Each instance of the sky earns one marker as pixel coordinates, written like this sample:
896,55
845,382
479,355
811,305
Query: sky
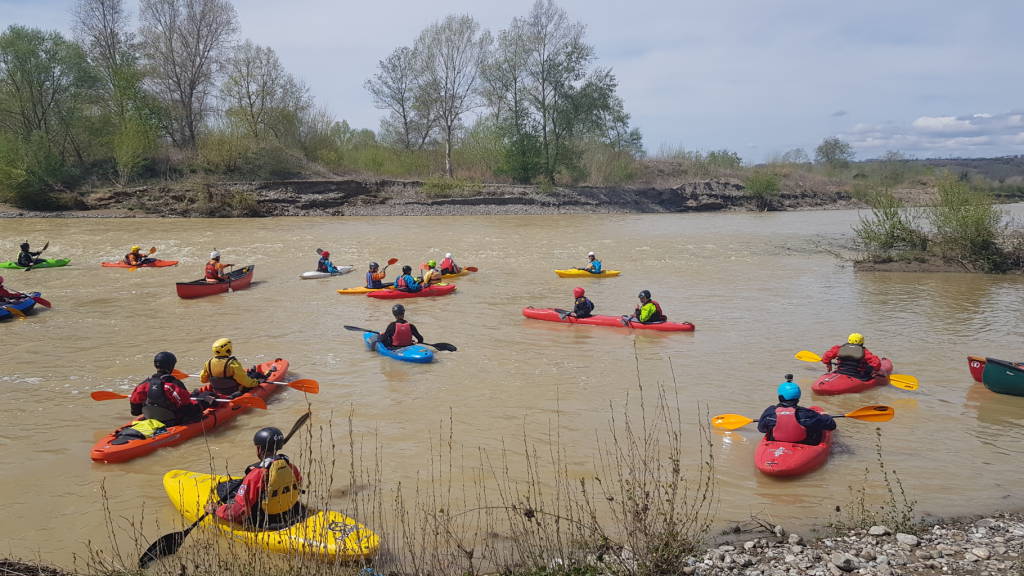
929,78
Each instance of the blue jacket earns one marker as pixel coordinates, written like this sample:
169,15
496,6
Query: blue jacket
814,422
411,285
325,265
594,267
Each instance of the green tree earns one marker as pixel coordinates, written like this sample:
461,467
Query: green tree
834,153
763,187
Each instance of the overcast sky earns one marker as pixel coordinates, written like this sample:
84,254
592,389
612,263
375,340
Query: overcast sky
926,77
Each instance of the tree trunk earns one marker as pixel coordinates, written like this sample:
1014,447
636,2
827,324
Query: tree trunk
448,155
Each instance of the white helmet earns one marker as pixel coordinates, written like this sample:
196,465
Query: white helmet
448,255
214,255
590,253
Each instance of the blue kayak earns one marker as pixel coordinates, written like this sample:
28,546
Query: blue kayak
24,305
415,353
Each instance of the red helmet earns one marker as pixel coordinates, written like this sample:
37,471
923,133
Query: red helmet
578,292
325,254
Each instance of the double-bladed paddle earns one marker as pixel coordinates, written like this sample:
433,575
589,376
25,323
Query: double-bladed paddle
168,544
152,250
874,413
902,381
307,385
244,400
443,346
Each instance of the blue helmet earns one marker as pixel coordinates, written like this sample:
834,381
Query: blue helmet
789,390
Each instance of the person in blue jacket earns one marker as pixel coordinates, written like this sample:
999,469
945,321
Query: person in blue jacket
406,283
593,265
787,422
325,264
375,276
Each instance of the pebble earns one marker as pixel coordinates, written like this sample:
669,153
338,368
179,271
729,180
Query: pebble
796,539
982,553
907,539
844,561
878,531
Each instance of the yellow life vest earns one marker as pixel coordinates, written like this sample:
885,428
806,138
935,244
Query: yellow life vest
149,427
280,489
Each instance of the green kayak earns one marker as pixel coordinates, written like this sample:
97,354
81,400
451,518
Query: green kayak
1003,377
47,263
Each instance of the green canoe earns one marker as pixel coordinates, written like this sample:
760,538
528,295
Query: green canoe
1003,377
47,263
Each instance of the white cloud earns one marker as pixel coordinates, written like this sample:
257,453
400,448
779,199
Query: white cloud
943,125
975,135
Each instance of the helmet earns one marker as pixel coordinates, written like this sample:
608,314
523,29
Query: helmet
578,292
164,361
136,248
645,294
269,438
448,255
407,269
222,347
590,254
24,245
398,310
789,390
374,265
432,263
856,338
325,254
214,255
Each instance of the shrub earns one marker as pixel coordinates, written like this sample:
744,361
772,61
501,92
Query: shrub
441,187
889,229
968,226
763,187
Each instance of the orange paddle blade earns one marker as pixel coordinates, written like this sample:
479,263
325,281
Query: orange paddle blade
250,402
101,395
14,311
904,381
472,268
392,261
876,413
730,421
179,374
807,356
306,385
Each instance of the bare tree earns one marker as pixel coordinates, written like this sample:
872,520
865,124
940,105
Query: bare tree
101,27
183,42
398,88
260,93
505,76
451,53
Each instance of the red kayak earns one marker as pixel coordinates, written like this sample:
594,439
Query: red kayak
110,448
237,280
435,290
153,264
555,315
977,366
834,383
790,458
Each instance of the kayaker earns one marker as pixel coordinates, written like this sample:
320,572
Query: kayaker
432,275
375,278
787,422
325,264
165,398
853,358
225,374
268,495
214,271
649,311
135,257
28,258
405,282
593,265
448,265
582,307
400,332
7,295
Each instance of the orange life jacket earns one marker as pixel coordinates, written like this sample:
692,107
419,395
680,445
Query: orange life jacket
212,271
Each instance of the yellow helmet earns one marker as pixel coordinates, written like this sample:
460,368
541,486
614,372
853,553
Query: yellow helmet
136,248
222,347
856,338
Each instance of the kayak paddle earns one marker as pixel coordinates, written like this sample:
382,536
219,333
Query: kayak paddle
902,381
41,250
14,311
443,346
390,262
307,385
874,413
152,250
244,400
41,301
168,544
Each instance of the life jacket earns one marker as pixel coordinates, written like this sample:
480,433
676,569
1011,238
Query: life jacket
595,267
280,486
851,359
25,258
128,258
787,427
222,384
149,427
583,306
211,272
402,283
448,266
157,406
403,335
371,282
658,316
429,275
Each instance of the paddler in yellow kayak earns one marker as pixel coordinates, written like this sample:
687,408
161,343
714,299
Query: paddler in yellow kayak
268,496
225,374
787,422
375,277
593,264
432,275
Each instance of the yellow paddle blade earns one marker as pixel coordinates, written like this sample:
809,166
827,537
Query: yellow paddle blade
807,356
730,421
904,381
14,311
876,413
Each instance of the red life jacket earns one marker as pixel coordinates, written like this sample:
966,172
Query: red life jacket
659,316
401,283
403,335
211,271
447,266
787,427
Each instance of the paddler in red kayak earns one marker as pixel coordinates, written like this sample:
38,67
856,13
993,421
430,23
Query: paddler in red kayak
225,374
214,271
165,398
787,422
6,295
582,306
135,257
401,332
853,358
405,282
268,495
649,311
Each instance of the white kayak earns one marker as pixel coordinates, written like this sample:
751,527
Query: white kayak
314,275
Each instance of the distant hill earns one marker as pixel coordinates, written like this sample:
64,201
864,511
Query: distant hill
1006,169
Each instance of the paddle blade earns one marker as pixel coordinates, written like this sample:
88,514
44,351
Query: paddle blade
45,246
472,268
101,395
319,251
392,261
904,381
167,544
445,347
424,266
179,374
295,427
250,402
876,413
807,356
14,311
307,385
358,329
730,421
42,301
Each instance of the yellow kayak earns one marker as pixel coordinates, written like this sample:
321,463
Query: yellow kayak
323,534
361,290
573,273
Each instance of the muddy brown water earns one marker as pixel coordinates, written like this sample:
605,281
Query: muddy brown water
756,285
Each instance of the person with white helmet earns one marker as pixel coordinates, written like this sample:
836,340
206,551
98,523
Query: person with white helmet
853,358
225,374
593,264
214,271
448,265
787,422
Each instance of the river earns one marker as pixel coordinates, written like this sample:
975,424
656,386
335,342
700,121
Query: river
757,286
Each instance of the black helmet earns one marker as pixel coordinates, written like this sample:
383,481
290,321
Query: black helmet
374,265
645,294
24,245
269,438
165,361
406,269
398,310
